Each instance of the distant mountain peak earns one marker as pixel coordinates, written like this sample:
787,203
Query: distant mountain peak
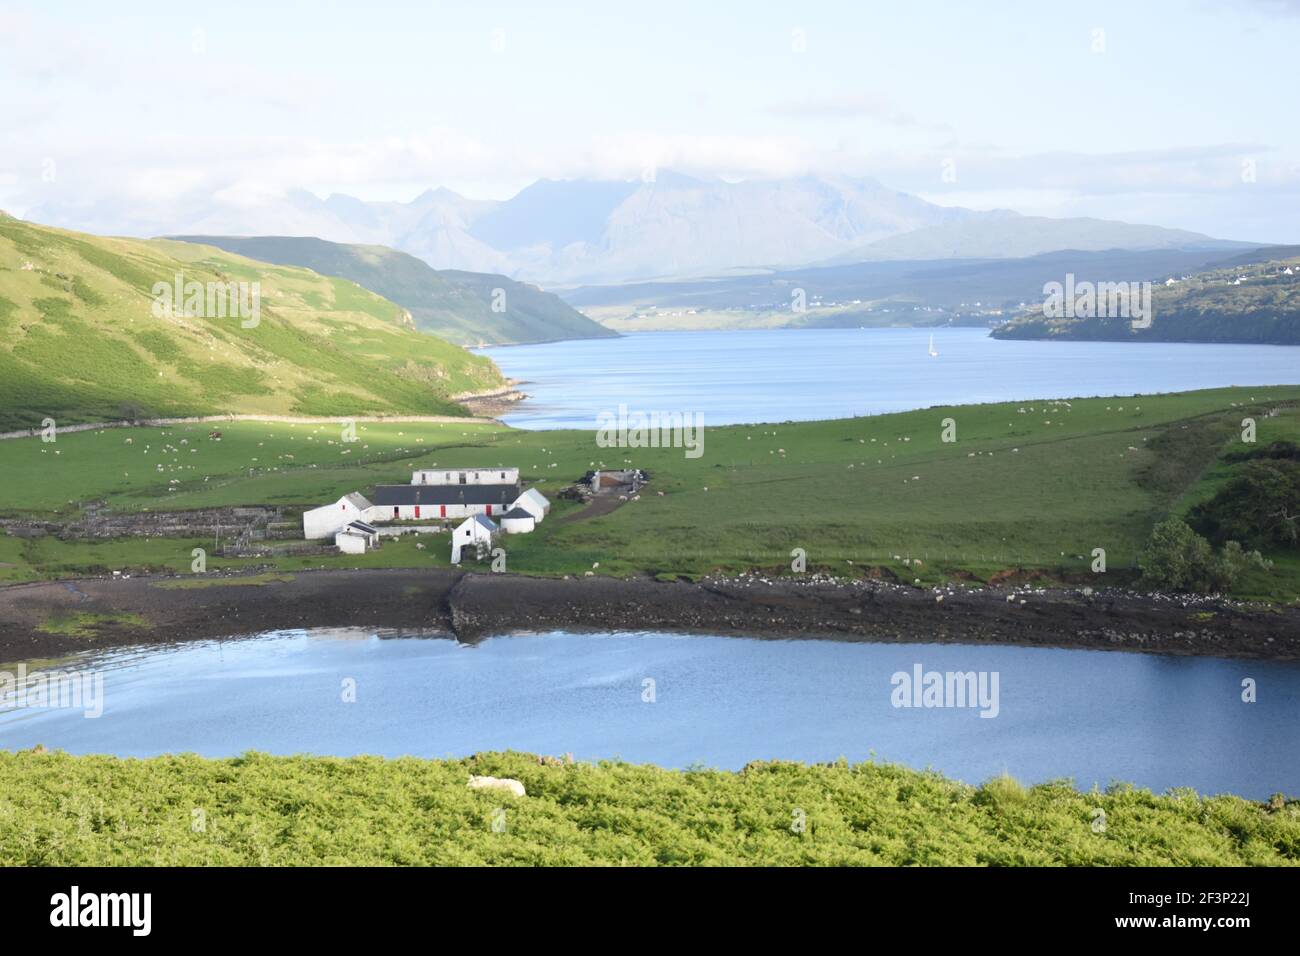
584,231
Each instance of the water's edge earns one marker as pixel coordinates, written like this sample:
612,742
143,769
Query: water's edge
472,606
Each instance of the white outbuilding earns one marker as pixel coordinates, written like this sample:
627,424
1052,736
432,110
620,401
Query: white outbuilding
466,476
518,521
534,502
476,531
357,538
328,520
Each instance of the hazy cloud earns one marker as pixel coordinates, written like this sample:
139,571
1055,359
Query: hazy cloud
852,106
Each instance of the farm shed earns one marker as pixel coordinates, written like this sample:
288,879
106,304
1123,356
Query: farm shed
534,502
518,521
328,520
474,532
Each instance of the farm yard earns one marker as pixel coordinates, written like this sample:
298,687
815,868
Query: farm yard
1025,488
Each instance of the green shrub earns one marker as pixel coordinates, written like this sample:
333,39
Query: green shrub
1176,558
1260,506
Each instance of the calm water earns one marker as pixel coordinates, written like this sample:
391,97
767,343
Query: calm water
784,375
1094,716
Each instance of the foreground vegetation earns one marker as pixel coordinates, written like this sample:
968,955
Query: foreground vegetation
1030,489
57,809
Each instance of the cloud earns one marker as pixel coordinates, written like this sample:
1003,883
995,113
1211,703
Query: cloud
167,181
852,106
1290,8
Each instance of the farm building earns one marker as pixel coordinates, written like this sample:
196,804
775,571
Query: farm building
467,476
415,502
357,538
431,496
623,481
534,502
329,520
474,532
518,521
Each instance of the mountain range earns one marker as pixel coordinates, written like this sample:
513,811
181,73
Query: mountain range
569,232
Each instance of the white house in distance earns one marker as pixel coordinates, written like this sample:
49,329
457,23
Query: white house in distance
433,502
476,532
518,521
329,520
467,476
534,502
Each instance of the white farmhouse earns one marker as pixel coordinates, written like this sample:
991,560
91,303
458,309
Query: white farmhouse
467,476
534,502
423,502
328,520
357,538
476,532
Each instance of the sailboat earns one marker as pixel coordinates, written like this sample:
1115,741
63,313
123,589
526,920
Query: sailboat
933,353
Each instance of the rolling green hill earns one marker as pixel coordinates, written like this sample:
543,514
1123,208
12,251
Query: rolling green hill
457,306
1245,302
80,340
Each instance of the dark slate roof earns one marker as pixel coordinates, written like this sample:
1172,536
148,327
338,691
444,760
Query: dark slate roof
362,526
517,513
389,495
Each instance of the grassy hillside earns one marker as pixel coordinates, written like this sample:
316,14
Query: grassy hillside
1034,485
1250,302
457,306
79,340
282,811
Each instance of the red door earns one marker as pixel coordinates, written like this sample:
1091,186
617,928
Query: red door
489,507
417,511
442,509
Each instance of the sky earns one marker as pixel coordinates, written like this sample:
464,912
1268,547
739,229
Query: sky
1181,114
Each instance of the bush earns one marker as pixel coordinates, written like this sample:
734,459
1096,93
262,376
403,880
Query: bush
1176,558
1260,506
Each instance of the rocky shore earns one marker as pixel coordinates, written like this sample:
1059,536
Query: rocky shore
51,618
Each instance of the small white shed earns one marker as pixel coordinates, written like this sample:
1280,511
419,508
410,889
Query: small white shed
534,502
473,532
357,538
518,521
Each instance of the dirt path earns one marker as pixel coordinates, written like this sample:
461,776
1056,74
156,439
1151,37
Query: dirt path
606,504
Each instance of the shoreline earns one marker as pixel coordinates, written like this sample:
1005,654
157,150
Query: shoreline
107,612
